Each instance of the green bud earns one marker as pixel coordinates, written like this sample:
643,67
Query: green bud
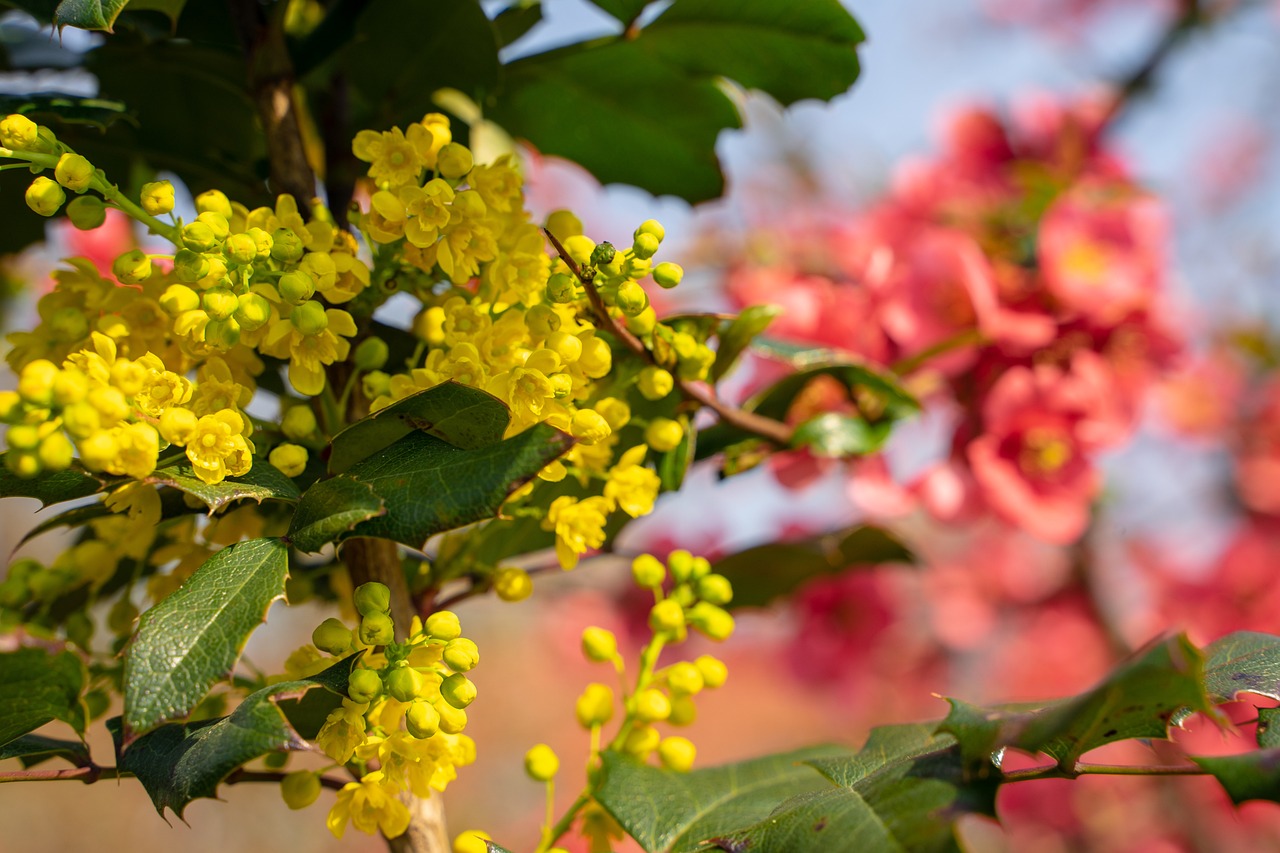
603,254
422,720
404,683
371,354
668,275
296,287
199,237
79,628
645,246
178,298
631,298
219,303
299,422
286,246
45,196
309,318
461,654
132,267
240,248
74,172
190,266
222,334
252,311
372,597
86,212
562,288
364,685
332,636
262,242
13,592
375,384
300,789
458,690
542,320
654,383
121,616
444,625
376,629
217,223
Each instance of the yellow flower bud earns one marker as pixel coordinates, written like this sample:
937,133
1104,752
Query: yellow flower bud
290,459
252,311
219,303
18,133
631,298
332,636
643,323
512,583
714,672
454,161
676,753
683,710
595,706
685,678
74,172
471,841
452,720
599,644
563,224
428,325
648,571
240,248
666,616
712,621
11,405
422,719
651,706
565,345
541,763
371,354
641,741
458,690
461,654
654,383
562,288
668,275
45,196
300,789
222,334
653,228
363,685
589,427
597,359
217,222
715,589
35,383
376,629
404,683
198,237
663,434
299,422
214,201
23,463
178,425
156,197
189,266
444,625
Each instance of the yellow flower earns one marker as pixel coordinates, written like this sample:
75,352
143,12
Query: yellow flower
217,449
418,765
371,804
309,354
498,184
632,487
342,731
394,156
464,246
387,216
578,524
428,210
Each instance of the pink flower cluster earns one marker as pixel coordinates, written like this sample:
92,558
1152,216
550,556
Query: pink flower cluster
1018,279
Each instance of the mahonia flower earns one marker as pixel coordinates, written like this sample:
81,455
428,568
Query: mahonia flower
394,156
421,766
631,486
371,804
308,354
343,731
578,524
217,448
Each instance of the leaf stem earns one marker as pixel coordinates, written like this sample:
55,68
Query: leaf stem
565,821
1081,768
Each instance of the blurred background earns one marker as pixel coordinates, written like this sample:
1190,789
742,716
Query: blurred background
960,102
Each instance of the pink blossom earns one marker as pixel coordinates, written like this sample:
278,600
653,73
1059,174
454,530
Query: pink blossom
1257,460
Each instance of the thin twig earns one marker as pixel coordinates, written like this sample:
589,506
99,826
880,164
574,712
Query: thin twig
1082,769
1189,17
91,773
770,430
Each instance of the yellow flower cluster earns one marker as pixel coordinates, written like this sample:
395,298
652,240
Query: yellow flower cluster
419,684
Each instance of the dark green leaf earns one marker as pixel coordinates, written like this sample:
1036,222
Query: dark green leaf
89,14
404,50
49,488
1243,662
264,481
330,510
737,335
429,486
839,436
791,50
192,639
625,11
43,108
884,389
178,763
678,811
816,822
1267,733
765,572
37,687
171,506
34,749
465,417
1248,776
516,20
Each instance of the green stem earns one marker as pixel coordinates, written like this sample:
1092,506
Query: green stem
566,821
1082,769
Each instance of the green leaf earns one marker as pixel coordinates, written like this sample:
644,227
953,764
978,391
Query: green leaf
89,14
1243,662
491,847
1141,698
49,488
839,436
664,810
835,818
178,763
625,11
737,335
330,510
1267,733
264,481
429,486
516,20
674,464
192,639
35,749
402,51
171,506
37,687
794,50
465,417
1248,776
882,386
96,113
763,573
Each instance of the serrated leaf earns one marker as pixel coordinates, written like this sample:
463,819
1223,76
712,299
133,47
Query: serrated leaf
192,639
330,510
840,436
49,488
1141,698
763,573
264,481
37,687
1248,776
178,763
1243,662
35,749
465,417
89,14
663,810
429,486
517,19
737,334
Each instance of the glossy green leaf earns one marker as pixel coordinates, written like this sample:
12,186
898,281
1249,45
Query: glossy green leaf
737,334
178,763
429,486
1141,698
35,749
625,11
664,810
264,481
89,14
49,488
763,573
37,687
465,417
491,847
192,639
882,387
1243,662
834,818
330,510
517,19
840,436
172,505
402,51
92,112
1248,776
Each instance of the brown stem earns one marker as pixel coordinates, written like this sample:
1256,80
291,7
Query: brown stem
91,773
1190,16
1083,769
271,83
775,432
